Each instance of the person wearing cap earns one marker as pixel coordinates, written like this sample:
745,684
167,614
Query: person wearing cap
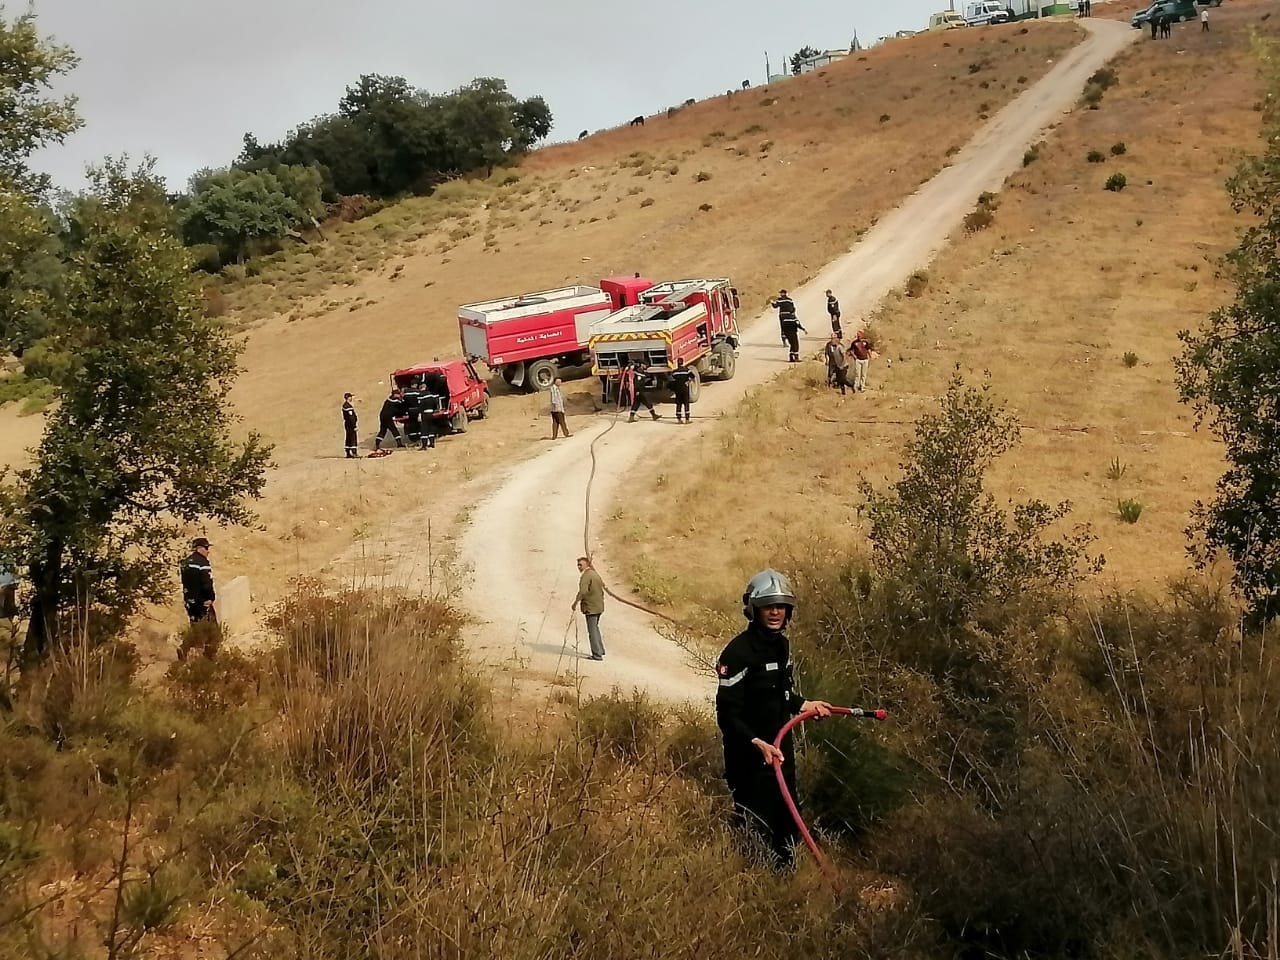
755,697
349,421
197,583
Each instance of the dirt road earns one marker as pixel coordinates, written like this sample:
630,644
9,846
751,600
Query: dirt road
522,540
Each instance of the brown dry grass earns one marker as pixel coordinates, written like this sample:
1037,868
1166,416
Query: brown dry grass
797,172
1048,300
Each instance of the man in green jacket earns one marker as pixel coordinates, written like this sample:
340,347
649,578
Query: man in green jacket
591,599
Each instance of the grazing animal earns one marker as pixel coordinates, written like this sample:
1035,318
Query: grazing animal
638,122
690,102
746,84
582,135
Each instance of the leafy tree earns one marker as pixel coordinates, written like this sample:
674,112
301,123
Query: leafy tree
938,531
533,122
804,53
1229,372
236,209
140,444
29,119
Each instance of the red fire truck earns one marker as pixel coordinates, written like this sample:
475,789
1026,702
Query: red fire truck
691,320
529,337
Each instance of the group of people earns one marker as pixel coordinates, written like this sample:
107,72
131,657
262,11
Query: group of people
838,357
401,406
755,696
1162,26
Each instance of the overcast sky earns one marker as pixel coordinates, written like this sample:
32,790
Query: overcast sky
185,79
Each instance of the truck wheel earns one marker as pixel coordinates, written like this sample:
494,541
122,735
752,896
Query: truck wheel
482,411
459,422
726,360
540,375
513,374
695,386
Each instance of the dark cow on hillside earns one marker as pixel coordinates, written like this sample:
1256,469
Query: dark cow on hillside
638,122
582,135
746,84
690,102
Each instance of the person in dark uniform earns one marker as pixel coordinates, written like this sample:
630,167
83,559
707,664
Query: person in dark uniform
349,421
392,407
833,311
412,396
756,696
197,583
631,387
786,308
681,383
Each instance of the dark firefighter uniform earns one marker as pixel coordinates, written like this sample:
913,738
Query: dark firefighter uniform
197,585
412,397
756,696
833,311
681,379
392,407
788,325
349,421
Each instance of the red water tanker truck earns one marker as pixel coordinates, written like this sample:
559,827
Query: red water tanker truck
528,338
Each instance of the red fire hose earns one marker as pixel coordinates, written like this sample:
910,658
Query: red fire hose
857,713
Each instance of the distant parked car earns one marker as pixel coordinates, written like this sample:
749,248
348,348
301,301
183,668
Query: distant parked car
947,20
451,393
985,12
1176,9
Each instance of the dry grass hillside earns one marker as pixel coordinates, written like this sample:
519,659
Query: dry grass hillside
1048,300
764,186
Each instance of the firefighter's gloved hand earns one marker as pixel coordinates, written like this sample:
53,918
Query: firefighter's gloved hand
772,755
821,707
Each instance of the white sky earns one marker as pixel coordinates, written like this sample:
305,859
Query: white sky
185,79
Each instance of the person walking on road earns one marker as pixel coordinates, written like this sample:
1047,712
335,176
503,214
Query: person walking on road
861,350
558,422
833,311
1155,25
1204,20
349,421
392,408
198,595
786,308
590,599
838,365
755,697
682,386
631,388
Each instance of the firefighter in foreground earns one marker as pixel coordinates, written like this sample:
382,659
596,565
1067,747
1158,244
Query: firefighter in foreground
755,697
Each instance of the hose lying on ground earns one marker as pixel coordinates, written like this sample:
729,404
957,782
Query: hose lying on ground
856,713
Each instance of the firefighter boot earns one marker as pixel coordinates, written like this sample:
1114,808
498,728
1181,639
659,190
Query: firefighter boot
632,418
655,414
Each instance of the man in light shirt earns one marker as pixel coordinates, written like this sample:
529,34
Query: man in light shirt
557,411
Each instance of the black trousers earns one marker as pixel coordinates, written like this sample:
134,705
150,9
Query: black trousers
682,406
835,325
385,427
352,443
640,399
197,611
793,343
758,807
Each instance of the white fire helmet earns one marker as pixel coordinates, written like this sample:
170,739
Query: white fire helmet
768,588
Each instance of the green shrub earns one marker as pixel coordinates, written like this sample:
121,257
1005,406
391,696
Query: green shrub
1096,156
1117,469
1130,359
626,727
885,118
1093,96
917,283
1116,182
1129,510
1031,155
978,219
705,207
1118,149
1104,78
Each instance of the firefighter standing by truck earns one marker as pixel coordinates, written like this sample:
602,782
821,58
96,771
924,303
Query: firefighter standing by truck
681,384
755,697
631,388
349,420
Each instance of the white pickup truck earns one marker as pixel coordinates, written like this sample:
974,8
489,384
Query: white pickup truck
984,12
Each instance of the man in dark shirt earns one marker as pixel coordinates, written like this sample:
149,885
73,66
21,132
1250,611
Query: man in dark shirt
198,594
756,696
392,407
682,379
349,421
786,308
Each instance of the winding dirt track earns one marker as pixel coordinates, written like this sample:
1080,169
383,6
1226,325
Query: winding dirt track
522,540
